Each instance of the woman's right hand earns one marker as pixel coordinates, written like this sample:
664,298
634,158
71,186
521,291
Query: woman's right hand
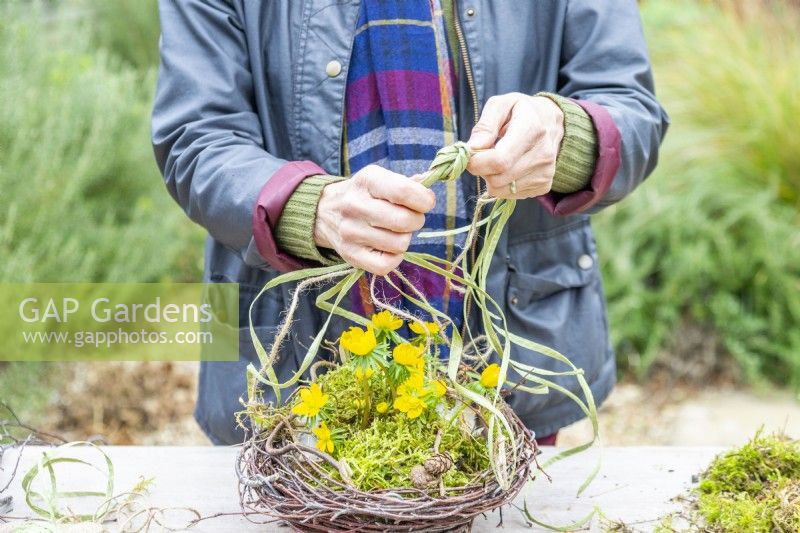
369,218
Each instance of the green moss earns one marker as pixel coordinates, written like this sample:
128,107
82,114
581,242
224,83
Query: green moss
382,455
749,469
344,390
738,512
382,449
265,417
787,512
755,488
382,452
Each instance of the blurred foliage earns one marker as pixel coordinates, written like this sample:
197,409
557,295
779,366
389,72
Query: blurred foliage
712,237
732,69
129,29
83,197
29,388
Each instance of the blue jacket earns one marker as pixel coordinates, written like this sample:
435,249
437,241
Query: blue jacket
246,86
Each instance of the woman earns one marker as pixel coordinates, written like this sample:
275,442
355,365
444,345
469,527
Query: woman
290,129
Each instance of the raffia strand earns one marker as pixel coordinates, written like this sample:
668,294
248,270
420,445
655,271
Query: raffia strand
450,162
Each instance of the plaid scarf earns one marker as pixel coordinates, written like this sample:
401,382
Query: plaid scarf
400,109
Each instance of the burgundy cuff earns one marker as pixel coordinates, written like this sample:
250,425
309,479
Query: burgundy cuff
271,200
609,143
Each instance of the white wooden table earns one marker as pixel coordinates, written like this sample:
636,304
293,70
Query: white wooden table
635,484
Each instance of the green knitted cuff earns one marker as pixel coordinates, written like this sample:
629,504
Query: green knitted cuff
578,153
294,233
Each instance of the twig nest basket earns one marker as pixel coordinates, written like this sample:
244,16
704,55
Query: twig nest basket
407,430
285,481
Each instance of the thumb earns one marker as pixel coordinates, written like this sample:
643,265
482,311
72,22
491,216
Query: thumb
482,138
495,115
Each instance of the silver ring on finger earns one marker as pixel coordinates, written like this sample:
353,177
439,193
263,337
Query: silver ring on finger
513,186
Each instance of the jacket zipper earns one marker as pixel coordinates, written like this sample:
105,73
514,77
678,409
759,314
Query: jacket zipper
462,46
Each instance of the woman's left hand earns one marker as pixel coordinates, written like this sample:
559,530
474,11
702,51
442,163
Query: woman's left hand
522,162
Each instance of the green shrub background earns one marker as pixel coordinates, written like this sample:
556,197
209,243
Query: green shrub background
83,200
710,239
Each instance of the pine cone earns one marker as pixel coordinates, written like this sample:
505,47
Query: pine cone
420,477
438,464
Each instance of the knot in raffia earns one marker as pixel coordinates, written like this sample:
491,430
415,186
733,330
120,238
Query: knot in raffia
449,163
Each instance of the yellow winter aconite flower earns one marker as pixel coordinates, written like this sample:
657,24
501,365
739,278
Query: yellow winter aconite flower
364,374
410,405
382,407
426,328
386,321
439,388
413,385
359,342
312,400
490,376
410,394
324,440
408,355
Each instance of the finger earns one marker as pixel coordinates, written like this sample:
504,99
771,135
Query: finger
503,192
388,241
535,169
539,160
535,180
489,163
386,215
494,116
376,238
530,189
497,168
514,171
398,189
522,133
373,261
520,137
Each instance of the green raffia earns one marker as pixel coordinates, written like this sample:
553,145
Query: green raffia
85,460
449,163
48,502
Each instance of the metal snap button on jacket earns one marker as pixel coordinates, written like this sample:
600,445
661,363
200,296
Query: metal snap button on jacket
585,262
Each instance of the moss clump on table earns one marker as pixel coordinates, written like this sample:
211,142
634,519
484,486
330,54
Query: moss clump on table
755,488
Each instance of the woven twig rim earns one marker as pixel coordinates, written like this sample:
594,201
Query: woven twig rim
279,486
